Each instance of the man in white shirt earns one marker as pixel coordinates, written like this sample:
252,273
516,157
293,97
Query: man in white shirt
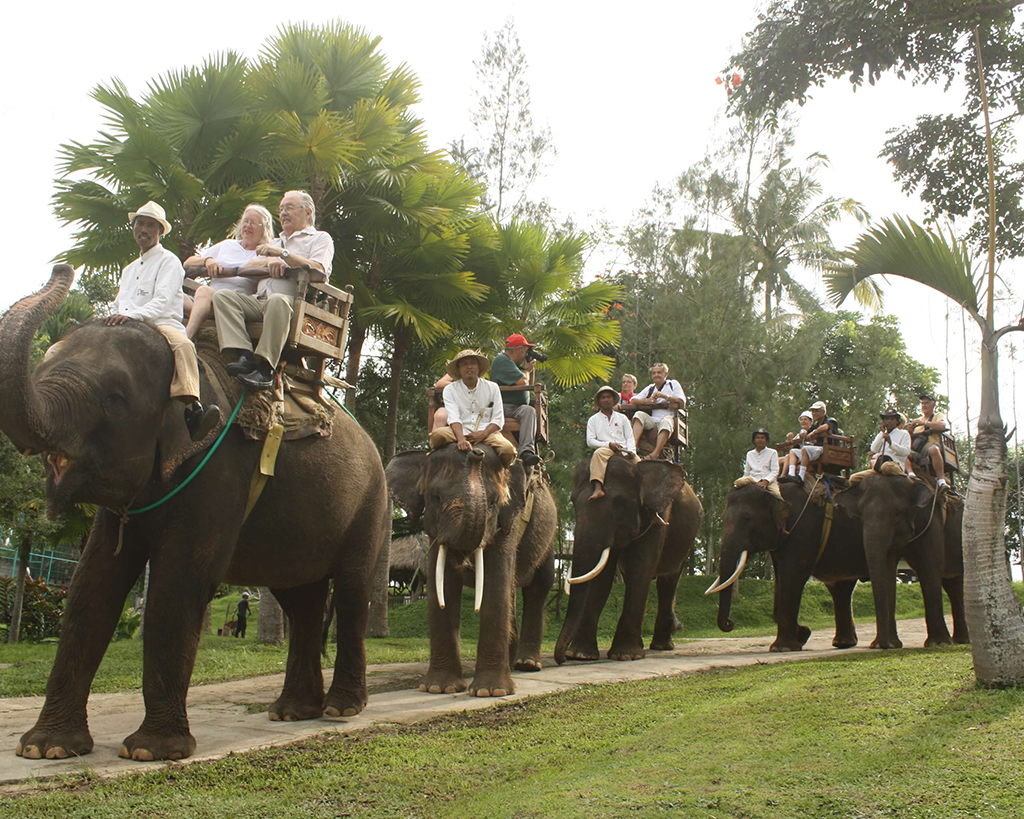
762,463
659,403
150,289
608,434
475,414
892,443
300,244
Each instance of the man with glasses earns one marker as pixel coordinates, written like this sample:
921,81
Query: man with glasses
300,243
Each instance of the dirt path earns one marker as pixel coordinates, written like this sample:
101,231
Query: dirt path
230,717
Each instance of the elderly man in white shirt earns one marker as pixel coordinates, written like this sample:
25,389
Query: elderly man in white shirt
475,414
299,244
608,434
659,403
762,464
892,443
150,290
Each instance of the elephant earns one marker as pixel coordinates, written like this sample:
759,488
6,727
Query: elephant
645,525
790,528
473,510
98,411
903,519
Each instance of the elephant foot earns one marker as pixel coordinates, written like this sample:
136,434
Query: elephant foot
961,641
786,645
40,743
492,684
288,709
583,652
895,642
624,654
528,664
844,642
442,682
344,703
803,634
662,645
938,641
146,747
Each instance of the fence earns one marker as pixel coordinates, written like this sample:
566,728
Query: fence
52,565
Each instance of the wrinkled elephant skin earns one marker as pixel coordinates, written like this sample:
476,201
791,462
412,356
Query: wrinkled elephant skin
98,408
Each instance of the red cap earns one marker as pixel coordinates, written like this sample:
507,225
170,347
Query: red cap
517,340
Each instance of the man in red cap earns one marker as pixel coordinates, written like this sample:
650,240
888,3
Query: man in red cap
511,369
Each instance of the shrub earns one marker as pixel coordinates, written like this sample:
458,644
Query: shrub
41,611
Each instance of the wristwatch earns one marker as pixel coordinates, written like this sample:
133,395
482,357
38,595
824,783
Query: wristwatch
285,254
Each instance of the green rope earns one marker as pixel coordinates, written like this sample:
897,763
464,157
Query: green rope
336,401
195,471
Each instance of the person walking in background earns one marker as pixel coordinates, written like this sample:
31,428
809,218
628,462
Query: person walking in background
243,615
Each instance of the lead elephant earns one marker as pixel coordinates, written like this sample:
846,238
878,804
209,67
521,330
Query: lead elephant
474,511
98,410
904,519
790,528
645,525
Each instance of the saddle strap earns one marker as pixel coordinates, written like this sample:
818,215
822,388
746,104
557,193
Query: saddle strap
826,530
265,467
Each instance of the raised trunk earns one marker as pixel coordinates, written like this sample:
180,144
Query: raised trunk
22,415
24,552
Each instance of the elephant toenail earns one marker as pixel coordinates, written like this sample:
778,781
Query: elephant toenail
56,752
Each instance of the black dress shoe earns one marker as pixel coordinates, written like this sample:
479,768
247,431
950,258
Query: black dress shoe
530,458
791,479
256,380
246,363
201,422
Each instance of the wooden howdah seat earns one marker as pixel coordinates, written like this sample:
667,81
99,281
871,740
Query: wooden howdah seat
539,401
837,454
319,331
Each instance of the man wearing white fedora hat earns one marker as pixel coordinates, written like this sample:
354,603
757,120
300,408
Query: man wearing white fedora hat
608,433
150,290
475,414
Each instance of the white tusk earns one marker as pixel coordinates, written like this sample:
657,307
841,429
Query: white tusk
478,561
583,578
568,588
442,553
713,587
735,575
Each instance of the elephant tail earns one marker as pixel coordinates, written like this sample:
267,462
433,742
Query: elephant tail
327,621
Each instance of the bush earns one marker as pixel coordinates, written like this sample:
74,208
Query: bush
41,611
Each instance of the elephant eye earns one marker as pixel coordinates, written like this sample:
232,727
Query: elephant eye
116,404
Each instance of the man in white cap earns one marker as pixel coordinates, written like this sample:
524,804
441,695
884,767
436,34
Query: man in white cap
475,414
608,434
822,427
299,244
150,290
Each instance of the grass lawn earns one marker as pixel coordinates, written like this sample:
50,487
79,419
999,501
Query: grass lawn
226,658
894,734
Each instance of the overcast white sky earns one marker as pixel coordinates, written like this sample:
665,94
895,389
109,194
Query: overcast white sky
627,89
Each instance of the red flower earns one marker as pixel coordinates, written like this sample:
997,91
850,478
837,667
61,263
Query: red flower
735,80
718,80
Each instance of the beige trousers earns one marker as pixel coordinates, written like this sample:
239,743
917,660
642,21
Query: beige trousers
599,462
232,310
773,487
185,382
506,452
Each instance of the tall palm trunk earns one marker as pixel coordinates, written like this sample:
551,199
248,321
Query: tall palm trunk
356,338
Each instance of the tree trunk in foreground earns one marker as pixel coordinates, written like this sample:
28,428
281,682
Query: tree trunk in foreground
994,615
377,624
24,552
270,626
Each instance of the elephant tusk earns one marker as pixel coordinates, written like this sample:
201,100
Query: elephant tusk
583,578
478,597
442,553
713,587
735,575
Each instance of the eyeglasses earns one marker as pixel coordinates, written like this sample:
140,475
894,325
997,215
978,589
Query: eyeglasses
289,208
252,224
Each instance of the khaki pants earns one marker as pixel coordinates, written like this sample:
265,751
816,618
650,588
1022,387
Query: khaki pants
506,452
185,382
599,461
232,310
773,487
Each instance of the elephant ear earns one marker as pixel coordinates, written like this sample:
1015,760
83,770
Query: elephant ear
176,446
922,495
660,484
404,476
780,513
848,500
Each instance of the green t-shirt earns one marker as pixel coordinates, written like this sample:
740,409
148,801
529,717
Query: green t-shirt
505,373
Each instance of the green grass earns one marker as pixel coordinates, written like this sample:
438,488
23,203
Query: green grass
900,734
225,658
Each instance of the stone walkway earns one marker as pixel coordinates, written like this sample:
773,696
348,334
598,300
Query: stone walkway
230,717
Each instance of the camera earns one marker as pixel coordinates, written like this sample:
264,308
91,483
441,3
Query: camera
533,354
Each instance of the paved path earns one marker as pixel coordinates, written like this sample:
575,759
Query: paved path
230,717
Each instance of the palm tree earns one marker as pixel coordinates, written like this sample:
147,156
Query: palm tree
899,247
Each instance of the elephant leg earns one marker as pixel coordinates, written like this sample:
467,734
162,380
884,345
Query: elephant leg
444,674
628,642
931,591
98,590
954,587
493,675
303,694
883,585
531,635
790,579
664,623
583,645
842,605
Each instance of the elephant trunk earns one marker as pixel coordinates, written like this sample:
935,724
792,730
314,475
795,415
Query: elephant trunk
22,413
463,523
724,590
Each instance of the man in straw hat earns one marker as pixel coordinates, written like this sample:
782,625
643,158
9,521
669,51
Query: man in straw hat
150,289
761,465
608,434
892,443
474,409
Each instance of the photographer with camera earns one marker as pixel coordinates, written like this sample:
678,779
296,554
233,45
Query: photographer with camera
511,369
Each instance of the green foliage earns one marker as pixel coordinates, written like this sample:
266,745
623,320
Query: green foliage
41,611
128,624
